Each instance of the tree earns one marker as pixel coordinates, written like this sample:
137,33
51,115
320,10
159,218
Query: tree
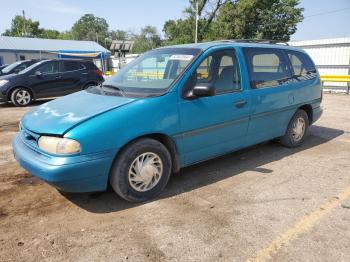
183,30
232,19
23,27
29,28
50,34
119,35
261,19
146,40
90,27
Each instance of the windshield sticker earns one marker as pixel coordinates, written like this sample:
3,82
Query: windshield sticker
181,57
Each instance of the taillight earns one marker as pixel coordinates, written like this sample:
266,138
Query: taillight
99,73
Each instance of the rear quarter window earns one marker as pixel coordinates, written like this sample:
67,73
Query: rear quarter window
302,65
268,67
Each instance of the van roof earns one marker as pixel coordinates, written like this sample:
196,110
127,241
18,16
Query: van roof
240,43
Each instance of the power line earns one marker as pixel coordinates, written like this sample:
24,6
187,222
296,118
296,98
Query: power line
329,12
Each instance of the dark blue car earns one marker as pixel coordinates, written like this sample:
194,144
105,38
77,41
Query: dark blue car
170,108
48,78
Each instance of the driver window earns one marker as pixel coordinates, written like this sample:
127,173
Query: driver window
204,69
221,70
48,68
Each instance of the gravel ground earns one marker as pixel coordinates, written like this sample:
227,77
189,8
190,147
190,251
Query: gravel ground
262,203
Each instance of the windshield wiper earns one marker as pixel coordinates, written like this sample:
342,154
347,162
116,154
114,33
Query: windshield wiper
120,90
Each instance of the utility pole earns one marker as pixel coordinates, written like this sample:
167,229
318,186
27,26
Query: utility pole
197,17
24,33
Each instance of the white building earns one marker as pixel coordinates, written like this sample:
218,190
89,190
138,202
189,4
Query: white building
13,49
331,56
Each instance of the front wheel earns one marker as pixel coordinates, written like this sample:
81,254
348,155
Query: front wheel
21,97
297,129
141,171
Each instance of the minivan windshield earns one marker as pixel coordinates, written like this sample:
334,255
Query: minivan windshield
153,72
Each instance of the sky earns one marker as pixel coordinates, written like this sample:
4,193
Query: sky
323,18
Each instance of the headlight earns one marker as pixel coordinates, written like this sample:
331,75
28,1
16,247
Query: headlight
58,145
3,82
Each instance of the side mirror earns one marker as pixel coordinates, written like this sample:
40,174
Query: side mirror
203,90
38,74
16,71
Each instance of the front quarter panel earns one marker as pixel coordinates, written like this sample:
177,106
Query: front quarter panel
114,129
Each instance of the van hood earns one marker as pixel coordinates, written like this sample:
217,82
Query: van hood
60,115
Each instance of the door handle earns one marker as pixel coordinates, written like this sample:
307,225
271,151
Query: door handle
84,73
240,103
57,77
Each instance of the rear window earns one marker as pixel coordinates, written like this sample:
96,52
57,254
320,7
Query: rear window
90,65
267,67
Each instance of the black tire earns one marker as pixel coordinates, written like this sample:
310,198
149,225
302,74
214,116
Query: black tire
119,174
290,139
88,85
21,97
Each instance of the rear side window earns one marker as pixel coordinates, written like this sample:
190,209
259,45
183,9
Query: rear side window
70,66
301,64
267,67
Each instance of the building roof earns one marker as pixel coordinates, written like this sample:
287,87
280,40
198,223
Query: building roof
341,41
40,44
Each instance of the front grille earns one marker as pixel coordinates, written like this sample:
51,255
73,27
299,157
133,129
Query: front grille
29,138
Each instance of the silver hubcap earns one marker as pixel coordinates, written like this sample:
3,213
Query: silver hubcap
298,129
145,172
22,97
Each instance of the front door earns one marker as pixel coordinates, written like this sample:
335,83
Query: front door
47,82
215,125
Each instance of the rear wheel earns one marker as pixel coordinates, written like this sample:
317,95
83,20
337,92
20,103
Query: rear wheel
141,171
21,97
87,86
297,129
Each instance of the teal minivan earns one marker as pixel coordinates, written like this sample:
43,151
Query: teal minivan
172,107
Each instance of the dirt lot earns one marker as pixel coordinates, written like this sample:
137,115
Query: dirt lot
263,203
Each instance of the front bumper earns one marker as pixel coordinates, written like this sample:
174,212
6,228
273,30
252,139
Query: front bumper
82,173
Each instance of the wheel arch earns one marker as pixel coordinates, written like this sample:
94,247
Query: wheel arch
90,82
9,92
167,141
308,109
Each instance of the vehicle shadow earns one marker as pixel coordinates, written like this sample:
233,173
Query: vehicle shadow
209,172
